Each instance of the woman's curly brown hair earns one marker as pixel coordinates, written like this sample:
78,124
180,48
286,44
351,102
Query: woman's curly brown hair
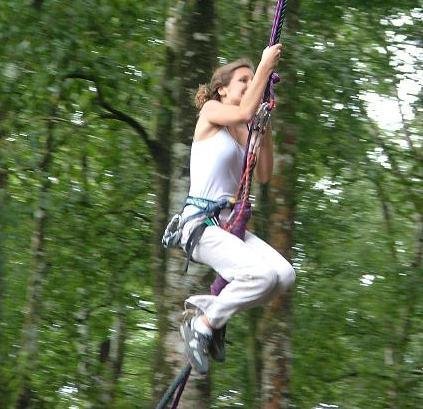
221,78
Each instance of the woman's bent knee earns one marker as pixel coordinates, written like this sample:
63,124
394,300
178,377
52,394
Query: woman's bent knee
286,276
268,281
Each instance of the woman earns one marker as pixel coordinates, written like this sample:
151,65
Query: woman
254,270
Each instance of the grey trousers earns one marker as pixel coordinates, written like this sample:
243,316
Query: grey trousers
255,272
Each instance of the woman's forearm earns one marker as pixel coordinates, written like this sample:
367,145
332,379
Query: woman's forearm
254,94
264,166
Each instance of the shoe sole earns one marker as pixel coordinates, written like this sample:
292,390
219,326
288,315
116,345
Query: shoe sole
201,370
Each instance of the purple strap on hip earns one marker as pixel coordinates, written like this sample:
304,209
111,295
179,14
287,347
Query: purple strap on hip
242,214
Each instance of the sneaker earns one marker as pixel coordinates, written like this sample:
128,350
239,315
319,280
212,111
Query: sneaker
196,345
217,346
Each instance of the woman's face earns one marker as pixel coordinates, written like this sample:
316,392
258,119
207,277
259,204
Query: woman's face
234,91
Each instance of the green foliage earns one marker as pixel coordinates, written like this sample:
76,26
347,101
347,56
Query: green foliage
100,204
358,212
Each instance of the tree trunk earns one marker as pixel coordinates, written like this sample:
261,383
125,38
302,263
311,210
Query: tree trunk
3,223
32,311
399,316
3,196
401,335
112,354
276,347
164,135
193,42
112,349
82,349
85,376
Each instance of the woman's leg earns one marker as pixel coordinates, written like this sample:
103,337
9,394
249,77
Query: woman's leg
286,273
252,268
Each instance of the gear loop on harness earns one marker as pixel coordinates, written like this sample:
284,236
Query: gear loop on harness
207,215
173,231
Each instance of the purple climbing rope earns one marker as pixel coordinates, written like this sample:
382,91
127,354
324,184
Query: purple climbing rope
242,210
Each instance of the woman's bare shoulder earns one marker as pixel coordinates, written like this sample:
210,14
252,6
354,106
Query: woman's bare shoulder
204,128
211,104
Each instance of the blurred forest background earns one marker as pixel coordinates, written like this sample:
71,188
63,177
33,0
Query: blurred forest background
96,122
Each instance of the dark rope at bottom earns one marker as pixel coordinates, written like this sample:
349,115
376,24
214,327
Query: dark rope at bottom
179,381
181,387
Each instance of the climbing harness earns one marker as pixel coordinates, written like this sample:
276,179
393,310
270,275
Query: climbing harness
240,206
206,215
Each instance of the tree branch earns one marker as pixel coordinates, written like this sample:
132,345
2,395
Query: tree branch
113,113
142,328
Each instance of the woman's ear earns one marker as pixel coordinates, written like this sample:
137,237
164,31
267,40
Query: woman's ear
221,91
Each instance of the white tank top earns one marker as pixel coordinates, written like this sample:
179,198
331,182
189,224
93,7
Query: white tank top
215,167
